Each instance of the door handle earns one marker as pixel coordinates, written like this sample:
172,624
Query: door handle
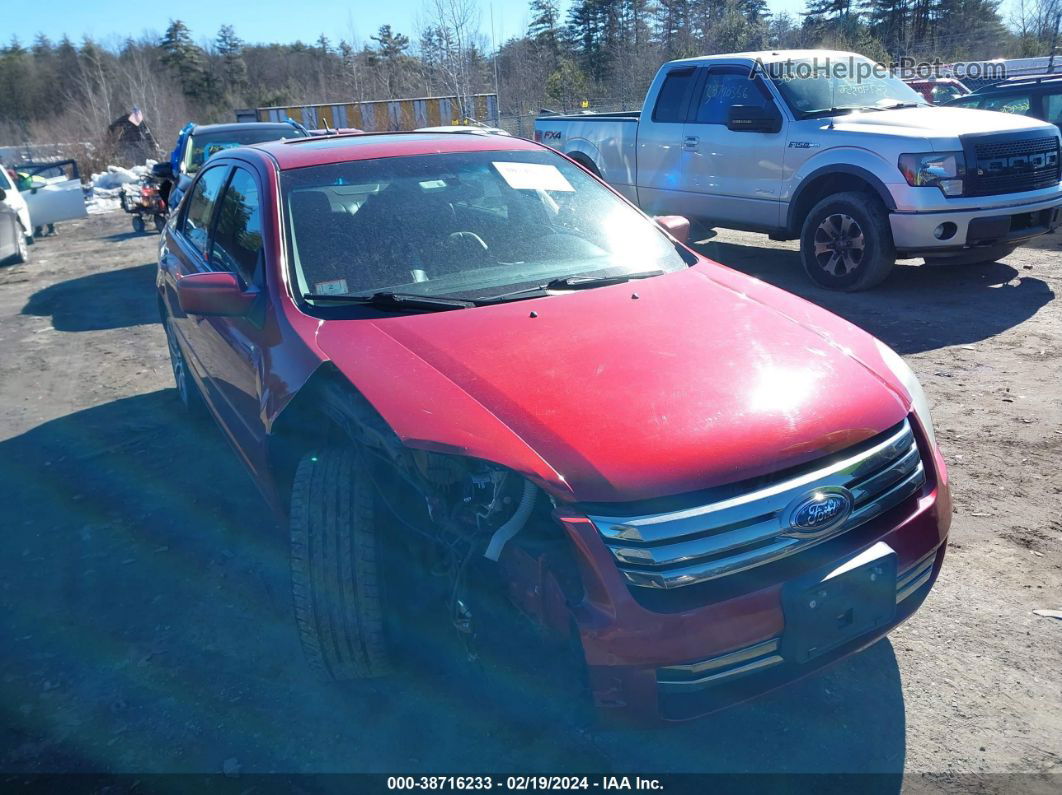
690,142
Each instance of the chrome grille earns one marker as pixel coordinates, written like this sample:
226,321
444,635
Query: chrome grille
679,548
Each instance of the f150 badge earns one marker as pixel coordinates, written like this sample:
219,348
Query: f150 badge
803,145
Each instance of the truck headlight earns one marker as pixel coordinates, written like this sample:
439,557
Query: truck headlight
944,170
906,376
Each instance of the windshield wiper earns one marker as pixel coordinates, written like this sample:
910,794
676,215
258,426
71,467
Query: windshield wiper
568,283
391,300
582,282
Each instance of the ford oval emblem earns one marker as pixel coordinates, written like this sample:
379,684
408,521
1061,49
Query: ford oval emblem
819,511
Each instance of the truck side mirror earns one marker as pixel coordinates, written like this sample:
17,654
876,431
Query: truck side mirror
754,118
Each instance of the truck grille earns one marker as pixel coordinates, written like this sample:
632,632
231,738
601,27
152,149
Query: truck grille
1011,165
694,545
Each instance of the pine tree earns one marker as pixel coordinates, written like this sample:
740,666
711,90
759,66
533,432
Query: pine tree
230,48
185,59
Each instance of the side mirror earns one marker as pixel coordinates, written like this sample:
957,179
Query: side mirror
162,170
3,194
214,294
677,226
753,118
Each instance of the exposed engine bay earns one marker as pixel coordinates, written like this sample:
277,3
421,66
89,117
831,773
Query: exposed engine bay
459,521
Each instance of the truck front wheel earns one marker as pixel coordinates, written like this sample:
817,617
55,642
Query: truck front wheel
846,243
336,566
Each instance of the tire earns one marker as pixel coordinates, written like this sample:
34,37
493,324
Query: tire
160,222
335,567
846,243
187,389
978,256
138,224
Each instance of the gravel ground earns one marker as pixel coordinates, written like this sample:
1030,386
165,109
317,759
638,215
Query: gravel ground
142,627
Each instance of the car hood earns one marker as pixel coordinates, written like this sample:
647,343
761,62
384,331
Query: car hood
932,122
671,384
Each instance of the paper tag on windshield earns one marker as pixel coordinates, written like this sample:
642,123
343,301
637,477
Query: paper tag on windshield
333,287
533,176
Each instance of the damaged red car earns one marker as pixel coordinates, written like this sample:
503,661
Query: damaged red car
480,385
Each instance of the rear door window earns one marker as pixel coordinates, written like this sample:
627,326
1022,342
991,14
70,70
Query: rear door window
674,96
1053,108
237,241
196,224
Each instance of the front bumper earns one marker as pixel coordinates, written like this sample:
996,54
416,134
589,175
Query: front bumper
915,233
732,638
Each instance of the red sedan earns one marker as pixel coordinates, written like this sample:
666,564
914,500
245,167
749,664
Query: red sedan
488,394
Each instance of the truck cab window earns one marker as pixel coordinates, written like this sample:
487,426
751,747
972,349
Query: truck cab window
674,96
724,89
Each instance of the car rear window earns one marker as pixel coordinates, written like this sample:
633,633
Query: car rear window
209,143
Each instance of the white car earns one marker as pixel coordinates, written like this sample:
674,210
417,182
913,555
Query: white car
16,202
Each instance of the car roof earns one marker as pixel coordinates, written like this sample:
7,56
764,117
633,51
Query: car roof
1052,80
303,152
247,125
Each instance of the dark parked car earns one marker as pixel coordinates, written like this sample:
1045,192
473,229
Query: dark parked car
494,401
197,142
1038,97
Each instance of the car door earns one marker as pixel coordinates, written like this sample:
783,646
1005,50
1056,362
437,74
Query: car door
661,159
59,199
231,346
733,177
186,251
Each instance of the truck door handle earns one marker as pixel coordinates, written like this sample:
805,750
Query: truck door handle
690,142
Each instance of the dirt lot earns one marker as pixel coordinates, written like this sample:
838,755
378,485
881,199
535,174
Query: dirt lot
142,627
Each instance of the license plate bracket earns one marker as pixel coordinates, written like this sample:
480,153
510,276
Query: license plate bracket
827,609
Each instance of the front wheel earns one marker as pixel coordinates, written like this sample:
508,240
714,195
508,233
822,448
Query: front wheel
160,222
138,224
336,566
846,243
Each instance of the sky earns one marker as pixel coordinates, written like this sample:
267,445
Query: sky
261,20
258,21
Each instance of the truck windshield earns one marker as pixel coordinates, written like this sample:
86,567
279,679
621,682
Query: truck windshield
821,87
205,144
470,225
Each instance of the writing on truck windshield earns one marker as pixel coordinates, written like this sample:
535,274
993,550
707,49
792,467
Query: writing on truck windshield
823,86
473,225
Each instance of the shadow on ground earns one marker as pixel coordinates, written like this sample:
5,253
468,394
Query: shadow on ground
145,625
104,300
918,308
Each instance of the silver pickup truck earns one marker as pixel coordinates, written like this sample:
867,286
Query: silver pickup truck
828,148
